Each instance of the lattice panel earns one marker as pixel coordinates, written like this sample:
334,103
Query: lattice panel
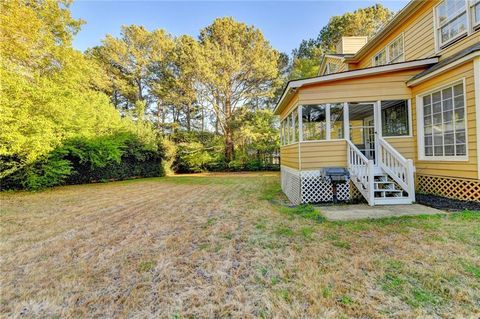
291,184
463,189
315,190
355,193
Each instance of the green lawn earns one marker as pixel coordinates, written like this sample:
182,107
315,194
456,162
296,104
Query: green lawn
223,245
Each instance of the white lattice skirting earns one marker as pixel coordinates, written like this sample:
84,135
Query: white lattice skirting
303,187
291,184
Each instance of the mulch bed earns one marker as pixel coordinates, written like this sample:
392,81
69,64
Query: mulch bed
446,203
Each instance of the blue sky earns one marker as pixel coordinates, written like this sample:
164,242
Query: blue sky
284,23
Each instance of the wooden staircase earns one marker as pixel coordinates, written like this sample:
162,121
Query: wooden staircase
389,183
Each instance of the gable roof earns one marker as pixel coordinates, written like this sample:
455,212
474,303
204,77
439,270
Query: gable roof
293,85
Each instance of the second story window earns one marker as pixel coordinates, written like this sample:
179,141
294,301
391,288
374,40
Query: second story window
331,68
451,16
380,58
395,50
476,14
392,53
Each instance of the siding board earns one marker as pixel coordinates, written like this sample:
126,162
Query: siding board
315,155
289,156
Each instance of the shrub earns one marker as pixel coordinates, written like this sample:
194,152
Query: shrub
197,151
79,160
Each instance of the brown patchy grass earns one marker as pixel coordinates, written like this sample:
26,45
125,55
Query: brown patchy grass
219,245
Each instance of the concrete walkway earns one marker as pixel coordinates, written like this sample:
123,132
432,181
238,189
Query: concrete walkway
363,211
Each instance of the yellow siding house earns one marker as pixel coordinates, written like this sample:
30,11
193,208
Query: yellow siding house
400,111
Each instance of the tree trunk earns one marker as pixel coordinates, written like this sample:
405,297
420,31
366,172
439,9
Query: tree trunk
164,117
229,147
140,89
189,119
174,119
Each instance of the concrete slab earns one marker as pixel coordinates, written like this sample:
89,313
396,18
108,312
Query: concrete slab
363,211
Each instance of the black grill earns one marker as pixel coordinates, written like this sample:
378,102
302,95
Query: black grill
336,176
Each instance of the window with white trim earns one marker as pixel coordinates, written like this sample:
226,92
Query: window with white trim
444,134
380,58
289,128
395,118
451,21
336,121
282,133
475,9
322,122
295,127
314,122
332,68
394,52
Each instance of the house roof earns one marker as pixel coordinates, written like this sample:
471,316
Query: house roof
293,85
459,57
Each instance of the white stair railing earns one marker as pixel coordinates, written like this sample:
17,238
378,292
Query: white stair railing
397,167
361,171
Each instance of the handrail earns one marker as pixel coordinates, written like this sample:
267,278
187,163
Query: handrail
356,150
361,169
397,166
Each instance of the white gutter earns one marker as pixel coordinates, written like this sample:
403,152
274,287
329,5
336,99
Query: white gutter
354,74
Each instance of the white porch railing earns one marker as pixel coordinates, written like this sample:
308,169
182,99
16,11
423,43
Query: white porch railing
361,171
397,167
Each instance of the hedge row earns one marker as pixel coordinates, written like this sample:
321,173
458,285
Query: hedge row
78,161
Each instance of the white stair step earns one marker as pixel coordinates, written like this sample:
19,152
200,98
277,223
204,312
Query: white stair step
387,186
389,190
392,200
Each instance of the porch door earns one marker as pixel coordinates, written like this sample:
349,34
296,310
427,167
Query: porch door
362,128
369,137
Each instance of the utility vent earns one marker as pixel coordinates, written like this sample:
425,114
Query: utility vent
350,45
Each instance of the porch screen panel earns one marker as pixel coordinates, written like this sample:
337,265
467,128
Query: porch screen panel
281,133
295,126
336,121
444,123
289,130
314,120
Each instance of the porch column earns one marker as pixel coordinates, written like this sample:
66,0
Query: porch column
377,115
300,124
346,124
